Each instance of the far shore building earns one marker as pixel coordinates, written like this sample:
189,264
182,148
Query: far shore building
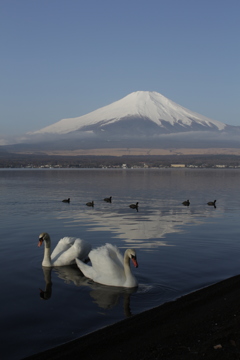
178,165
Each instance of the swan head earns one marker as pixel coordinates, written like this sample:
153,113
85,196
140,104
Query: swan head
44,237
131,253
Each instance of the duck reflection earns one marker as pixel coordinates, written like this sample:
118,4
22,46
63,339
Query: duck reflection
106,297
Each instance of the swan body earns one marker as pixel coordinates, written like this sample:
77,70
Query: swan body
109,267
108,199
186,203
66,251
66,200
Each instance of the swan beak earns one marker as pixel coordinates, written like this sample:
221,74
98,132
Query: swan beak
40,242
134,260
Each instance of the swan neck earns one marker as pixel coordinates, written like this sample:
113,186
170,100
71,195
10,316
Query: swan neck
47,254
126,264
130,278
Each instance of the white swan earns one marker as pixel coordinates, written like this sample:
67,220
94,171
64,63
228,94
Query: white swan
66,251
109,267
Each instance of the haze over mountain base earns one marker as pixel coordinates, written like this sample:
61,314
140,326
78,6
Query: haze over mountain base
137,152
184,143
133,152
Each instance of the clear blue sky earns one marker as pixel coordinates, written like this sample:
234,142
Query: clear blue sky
65,58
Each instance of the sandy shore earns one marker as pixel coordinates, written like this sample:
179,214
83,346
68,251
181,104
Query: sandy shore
202,325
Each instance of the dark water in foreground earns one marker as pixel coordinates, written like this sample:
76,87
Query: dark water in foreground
180,249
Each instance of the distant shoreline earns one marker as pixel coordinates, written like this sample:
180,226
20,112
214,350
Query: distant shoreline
134,152
123,158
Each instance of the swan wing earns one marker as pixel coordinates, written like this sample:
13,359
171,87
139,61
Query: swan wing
87,270
107,266
83,248
79,249
106,260
63,245
115,254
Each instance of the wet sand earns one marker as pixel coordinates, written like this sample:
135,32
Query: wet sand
202,325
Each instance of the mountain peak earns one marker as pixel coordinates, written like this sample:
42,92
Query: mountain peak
161,113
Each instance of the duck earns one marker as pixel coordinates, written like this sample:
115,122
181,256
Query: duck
110,267
90,203
212,203
65,252
66,200
108,199
134,206
186,203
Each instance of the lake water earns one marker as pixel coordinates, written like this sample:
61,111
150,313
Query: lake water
179,248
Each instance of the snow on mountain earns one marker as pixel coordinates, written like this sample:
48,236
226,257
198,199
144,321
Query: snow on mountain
140,109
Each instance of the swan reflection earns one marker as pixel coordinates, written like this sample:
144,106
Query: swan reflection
106,297
47,293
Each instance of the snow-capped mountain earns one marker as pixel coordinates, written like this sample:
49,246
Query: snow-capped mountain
140,120
139,113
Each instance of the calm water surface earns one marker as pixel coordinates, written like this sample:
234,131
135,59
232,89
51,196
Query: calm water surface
180,249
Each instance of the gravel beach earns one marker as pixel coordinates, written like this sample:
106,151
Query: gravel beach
202,325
